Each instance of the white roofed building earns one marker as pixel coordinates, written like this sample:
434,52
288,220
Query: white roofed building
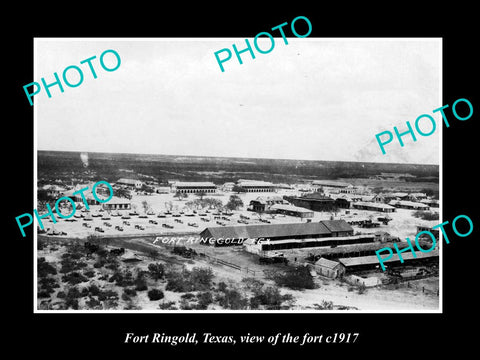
194,187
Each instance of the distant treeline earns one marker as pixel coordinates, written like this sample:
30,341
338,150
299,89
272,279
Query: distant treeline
65,165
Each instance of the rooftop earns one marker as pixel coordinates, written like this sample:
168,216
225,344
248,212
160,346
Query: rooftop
274,230
194,184
267,199
253,183
365,260
315,196
327,263
374,205
127,181
411,203
330,183
290,208
337,225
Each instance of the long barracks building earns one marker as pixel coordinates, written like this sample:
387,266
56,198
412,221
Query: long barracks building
195,187
287,236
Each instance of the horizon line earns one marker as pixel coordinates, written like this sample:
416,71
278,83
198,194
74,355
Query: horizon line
234,157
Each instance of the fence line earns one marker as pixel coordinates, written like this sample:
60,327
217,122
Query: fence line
216,260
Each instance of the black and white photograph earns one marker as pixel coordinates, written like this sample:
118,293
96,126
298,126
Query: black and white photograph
292,179
258,188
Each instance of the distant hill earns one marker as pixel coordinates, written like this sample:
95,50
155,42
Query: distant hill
111,166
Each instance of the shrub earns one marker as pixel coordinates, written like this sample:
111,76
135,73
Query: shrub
232,299
140,285
125,297
99,264
68,265
44,293
73,293
48,282
222,286
270,298
185,305
204,299
92,303
169,305
131,306
61,295
252,284
177,283
108,295
188,296
296,278
110,304
426,215
44,268
155,294
130,292
156,271
324,305
89,273
94,290
102,253
74,278
112,266
71,303
201,278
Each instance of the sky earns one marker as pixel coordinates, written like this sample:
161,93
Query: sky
313,99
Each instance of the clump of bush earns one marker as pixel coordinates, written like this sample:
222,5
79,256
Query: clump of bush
295,278
107,295
188,296
93,303
44,268
426,215
199,279
156,271
204,299
94,290
89,273
155,294
130,292
169,305
269,298
324,305
74,278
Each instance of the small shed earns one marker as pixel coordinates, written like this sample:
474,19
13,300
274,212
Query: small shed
328,268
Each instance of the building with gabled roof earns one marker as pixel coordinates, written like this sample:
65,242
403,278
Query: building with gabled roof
292,210
130,183
329,268
285,236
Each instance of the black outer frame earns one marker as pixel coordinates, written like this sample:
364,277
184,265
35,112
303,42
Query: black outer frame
380,334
